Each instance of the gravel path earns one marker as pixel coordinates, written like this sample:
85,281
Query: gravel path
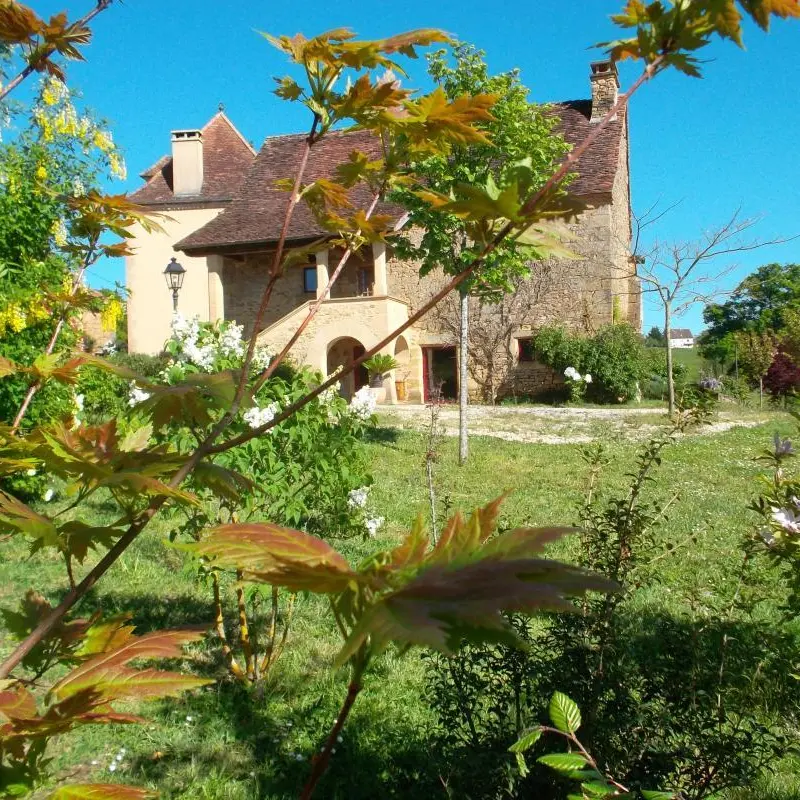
548,425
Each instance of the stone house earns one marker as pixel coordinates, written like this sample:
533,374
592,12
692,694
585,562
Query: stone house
223,217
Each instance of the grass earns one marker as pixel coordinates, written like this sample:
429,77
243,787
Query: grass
223,743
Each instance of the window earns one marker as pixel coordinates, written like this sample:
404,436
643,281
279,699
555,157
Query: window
310,280
525,350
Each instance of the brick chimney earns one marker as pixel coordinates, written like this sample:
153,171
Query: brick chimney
187,163
605,88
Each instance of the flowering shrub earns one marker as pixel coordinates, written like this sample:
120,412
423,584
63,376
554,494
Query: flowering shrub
307,472
614,360
577,383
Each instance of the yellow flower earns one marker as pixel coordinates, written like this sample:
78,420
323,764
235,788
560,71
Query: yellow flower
41,172
111,314
59,231
117,166
103,140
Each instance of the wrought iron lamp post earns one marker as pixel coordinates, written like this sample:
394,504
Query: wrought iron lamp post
174,274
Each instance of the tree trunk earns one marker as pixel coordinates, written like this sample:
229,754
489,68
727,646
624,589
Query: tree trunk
670,377
761,393
463,396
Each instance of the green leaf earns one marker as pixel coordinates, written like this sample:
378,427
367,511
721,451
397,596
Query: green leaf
526,741
101,791
564,713
569,764
137,439
649,794
288,89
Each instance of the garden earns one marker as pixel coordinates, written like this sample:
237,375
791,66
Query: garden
223,579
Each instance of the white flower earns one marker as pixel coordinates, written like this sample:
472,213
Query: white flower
255,417
189,718
30,473
587,377
48,495
79,401
363,403
78,189
137,395
357,498
572,374
202,357
372,524
184,330
230,341
261,358
112,766
788,519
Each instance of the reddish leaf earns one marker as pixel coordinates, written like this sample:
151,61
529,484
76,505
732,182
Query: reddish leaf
107,675
7,367
277,555
522,542
443,606
17,703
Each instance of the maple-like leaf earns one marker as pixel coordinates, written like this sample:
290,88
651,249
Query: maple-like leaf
101,791
17,516
7,367
442,606
277,555
108,676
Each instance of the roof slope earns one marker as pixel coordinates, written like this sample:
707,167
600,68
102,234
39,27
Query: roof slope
680,333
227,157
256,214
597,167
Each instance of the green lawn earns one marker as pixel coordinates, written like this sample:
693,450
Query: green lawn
220,743
691,359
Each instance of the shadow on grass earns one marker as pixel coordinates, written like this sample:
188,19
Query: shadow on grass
266,743
698,705
381,435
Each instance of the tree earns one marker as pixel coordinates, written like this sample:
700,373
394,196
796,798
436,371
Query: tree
655,337
493,324
762,301
678,273
756,350
518,130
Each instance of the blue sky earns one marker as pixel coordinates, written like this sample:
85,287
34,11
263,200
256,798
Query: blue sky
725,142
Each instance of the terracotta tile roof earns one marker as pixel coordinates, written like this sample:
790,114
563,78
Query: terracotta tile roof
598,166
226,159
256,214
680,333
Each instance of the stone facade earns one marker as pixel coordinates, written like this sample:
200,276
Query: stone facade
221,234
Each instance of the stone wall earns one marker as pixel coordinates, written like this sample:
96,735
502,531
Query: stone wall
244,281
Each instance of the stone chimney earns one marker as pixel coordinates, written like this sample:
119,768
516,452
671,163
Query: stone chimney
187,163
605,88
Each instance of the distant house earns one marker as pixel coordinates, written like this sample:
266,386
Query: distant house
681,337
224,216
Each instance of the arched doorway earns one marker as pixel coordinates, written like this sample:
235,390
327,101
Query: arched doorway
341,353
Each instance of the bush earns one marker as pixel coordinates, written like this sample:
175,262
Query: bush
614,357
783,377
105,395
